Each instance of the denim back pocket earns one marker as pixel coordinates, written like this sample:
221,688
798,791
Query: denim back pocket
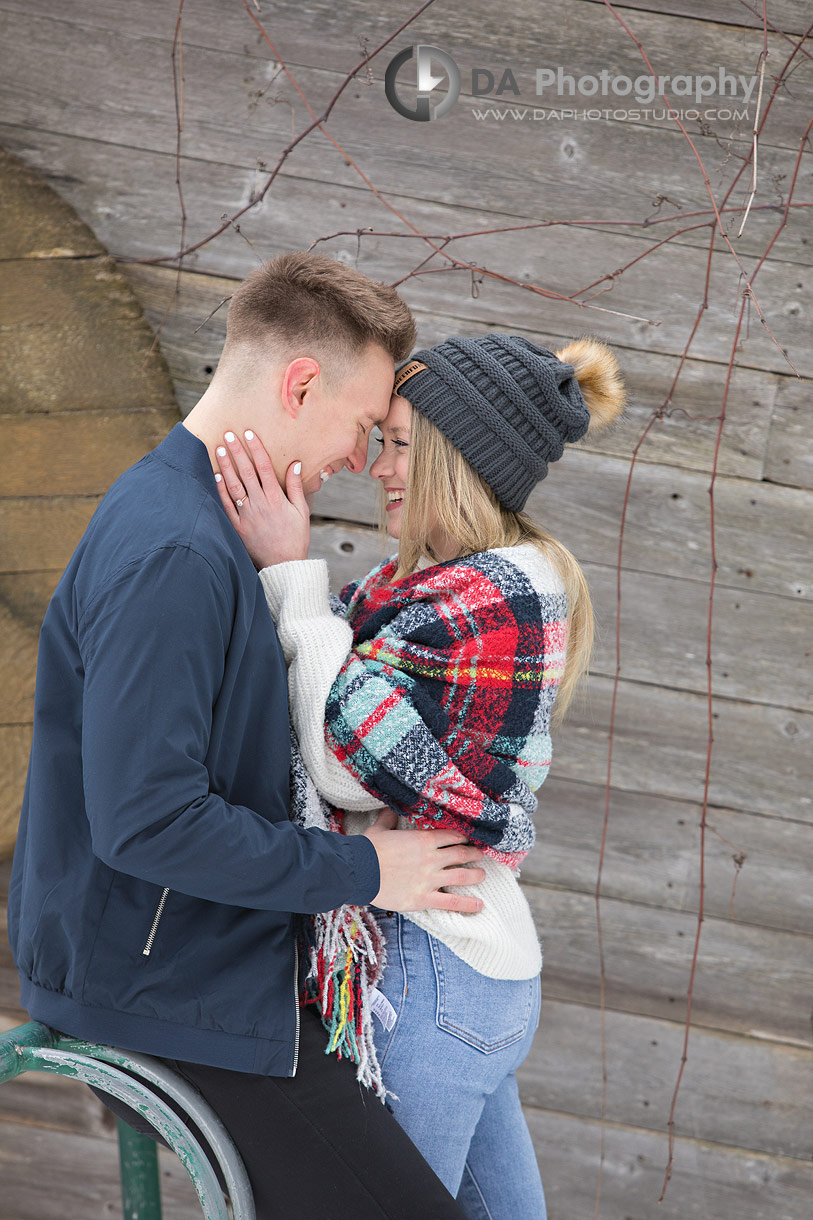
489,1014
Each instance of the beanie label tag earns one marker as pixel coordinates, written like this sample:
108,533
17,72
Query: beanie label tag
409,370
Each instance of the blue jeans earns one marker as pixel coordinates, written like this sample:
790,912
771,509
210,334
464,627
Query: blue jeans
450,1056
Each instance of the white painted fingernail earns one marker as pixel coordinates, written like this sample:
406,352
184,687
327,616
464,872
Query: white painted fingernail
221,452
230,437
218,478
297,468
248,434
324,476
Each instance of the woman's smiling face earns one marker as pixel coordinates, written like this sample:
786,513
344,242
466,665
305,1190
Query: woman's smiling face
392,464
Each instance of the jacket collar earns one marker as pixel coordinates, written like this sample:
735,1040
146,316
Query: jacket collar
185,451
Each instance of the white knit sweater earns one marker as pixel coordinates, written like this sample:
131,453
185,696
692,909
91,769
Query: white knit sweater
500,940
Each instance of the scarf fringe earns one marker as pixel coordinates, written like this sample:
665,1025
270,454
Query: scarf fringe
346,957
344,951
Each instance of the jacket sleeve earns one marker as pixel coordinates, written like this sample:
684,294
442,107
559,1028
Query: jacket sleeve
153,644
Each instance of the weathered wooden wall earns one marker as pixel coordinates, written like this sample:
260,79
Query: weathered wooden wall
87,101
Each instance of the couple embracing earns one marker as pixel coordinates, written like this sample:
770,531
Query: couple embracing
271,835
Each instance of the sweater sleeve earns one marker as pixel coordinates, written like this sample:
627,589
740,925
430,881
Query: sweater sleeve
316,643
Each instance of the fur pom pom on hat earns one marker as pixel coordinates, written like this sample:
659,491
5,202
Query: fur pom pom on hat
511,406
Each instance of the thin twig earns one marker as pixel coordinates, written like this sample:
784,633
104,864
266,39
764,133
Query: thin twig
763,57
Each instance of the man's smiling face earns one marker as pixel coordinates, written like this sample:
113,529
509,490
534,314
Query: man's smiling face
336,420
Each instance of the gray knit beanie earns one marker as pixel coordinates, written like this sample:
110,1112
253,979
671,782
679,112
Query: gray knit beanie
507,404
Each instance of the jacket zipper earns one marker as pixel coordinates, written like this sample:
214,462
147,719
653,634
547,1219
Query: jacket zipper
296,1005
148,947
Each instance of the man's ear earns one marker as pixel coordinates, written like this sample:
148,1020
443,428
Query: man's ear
297,380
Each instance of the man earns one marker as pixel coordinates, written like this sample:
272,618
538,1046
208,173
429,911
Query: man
157,872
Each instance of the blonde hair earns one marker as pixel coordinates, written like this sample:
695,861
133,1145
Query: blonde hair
446,497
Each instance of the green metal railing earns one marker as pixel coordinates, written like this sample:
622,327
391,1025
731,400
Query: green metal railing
35,1047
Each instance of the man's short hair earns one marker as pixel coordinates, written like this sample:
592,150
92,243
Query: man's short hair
302,303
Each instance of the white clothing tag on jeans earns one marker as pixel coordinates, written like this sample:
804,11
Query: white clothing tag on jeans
383,1009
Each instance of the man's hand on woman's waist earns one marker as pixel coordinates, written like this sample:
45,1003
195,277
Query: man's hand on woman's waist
415,866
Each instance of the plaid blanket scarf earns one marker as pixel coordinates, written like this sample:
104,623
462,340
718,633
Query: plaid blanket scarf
441,711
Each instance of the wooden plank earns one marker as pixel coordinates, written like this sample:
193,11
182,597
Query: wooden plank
760,755
652,854
340,30
748,979
789,458
707,1180
787,15
479,38
739,1091
749,518
192,355
649,376
41,533
11,1013
23,602
752,657
57,1175
73,334
139,218
350,551
80,452
667,761
726,1084
15,748
752,981
298,212
655,856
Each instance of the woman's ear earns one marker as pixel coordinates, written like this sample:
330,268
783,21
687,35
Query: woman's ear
297,380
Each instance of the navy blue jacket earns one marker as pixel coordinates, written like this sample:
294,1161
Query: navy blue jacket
156,868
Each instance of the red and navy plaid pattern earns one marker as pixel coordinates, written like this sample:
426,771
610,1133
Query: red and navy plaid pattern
442,709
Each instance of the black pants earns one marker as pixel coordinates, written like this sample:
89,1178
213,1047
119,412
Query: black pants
315,1144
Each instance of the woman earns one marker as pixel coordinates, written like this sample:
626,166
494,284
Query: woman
432,691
